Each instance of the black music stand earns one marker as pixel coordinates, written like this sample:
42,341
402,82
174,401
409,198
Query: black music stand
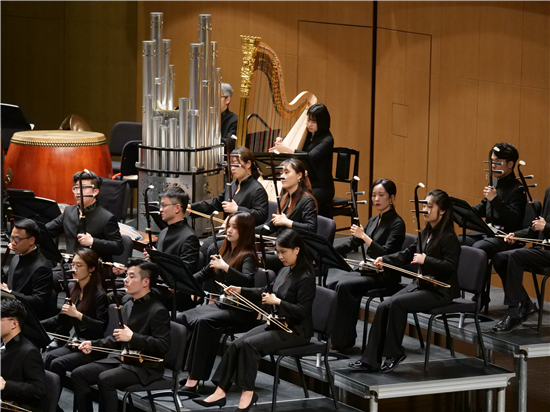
35,208
263,160
466,218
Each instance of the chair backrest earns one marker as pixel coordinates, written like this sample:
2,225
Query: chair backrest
409,240
115,196
471,269
178,343
531,213
113,320
260,278
343,163
121,133
271,209
129,158
53,383
324,310
128,250
326,227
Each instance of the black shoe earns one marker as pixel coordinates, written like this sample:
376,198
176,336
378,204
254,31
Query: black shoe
191,389
220,402
528,310
359,365
391,363
506,324
252,402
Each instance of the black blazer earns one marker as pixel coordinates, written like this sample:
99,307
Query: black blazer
252,198
100,223
304,216
508,205
23,370
179,239
529,232
243,276
441,261
296,289
30,278
94,319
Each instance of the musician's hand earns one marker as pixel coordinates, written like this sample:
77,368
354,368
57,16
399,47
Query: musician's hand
72,311
4,287
280,147
539,224
85,239
281,220
358,232
86,347
378,262
123,335
120,271
217,262
10,246
490,193
188,210
145,256
270,299
2,383
510,238
419,258
230,207
232,290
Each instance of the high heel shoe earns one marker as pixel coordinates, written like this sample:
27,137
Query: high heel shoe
220,402
191,389
252,402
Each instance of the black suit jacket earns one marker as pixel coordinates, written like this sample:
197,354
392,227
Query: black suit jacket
179,239
529,232
296,289
23,370
229,127
252,198
441,260
304,216
100,223
30,278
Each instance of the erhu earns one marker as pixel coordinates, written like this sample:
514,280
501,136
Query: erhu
417,213
148,216
354,211
491,162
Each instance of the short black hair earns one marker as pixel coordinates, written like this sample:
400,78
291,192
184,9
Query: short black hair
176,192
507,151
12,308
96,180
148,269
30,227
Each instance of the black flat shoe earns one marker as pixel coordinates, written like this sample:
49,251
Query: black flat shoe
362,366
252,402
220,402
391,363
525,312
507,324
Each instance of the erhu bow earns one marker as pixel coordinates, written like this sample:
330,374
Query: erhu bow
148,216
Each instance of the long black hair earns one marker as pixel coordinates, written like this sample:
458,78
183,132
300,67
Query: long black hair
93,287
443,202
304,185
246,242
290,239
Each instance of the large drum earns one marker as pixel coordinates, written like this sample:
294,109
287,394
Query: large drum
45,161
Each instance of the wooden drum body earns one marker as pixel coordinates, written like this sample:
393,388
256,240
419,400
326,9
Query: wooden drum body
45,161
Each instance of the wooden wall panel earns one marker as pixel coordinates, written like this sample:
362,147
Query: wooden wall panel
535,57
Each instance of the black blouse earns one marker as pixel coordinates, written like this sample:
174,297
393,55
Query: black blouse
304,216
243,276
319,149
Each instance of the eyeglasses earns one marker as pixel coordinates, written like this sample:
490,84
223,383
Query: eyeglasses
76,189
165,205
16,239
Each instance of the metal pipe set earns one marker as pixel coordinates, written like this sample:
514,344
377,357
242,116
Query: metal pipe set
188,139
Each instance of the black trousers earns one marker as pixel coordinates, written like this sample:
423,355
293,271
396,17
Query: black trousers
350,288
207,324
510,266
109,377
242,359
491,245
388,328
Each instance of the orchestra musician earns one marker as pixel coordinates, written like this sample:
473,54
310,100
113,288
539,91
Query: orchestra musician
22,376
318,146
440,260
146,328
383,235
88,314
235,264
229,120
511,264
292,295
30,273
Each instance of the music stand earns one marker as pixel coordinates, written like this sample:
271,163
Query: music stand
263,161
466,218
35,208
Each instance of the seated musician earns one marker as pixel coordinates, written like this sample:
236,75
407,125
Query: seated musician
30,273
511,264
440,260
299,208
318,146
236,264
248,194
146,328
229,119
384,234
23,382
88,314
292,295
102,232
503,201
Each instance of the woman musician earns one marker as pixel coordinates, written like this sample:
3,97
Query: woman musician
440,260
382,235
293,294
318,145
87,314
236,264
